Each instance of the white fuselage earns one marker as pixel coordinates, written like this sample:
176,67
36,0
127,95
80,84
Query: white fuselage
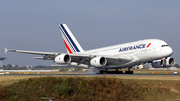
141,51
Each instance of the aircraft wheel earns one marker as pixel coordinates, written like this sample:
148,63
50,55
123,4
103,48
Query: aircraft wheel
128,72
120,72
101,71
131,72
116,72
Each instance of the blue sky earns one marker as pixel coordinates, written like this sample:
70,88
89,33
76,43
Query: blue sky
33,25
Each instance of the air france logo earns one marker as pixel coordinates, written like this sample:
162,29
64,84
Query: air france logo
140,46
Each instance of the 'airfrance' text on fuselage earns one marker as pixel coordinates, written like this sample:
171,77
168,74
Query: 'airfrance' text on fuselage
140,46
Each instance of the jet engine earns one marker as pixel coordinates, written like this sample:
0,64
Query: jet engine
62,59
163,63
98,61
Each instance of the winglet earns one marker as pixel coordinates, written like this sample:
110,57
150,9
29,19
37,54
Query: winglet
5,50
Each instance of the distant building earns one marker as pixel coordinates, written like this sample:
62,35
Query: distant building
1,59
13,65
29,66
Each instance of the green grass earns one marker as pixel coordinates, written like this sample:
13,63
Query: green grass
90,89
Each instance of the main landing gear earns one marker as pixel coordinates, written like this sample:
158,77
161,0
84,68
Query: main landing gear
106,71
129,71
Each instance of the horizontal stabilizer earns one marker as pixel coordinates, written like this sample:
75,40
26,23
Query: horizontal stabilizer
5,50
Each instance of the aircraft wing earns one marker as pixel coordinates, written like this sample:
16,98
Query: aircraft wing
111,60
77,57
47,55
29,52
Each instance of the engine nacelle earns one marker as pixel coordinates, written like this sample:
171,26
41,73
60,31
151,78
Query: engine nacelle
163,63
62,59
98,61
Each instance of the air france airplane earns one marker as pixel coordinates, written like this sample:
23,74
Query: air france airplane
154,51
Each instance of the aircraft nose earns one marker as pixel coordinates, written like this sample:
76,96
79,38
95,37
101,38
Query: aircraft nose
169,51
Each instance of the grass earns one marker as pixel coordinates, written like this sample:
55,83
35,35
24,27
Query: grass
89,89
7,80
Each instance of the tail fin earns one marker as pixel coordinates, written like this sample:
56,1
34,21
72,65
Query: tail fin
70,41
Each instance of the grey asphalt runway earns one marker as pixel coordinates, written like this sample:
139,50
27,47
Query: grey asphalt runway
86,75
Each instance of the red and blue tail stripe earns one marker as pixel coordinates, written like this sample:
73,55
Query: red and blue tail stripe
67,47
71,43
68,44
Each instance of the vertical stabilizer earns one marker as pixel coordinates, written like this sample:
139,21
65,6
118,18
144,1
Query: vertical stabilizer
70,41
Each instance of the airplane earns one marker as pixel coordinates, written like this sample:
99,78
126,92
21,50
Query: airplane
154,51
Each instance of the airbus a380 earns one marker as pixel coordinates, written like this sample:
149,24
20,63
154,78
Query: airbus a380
154,51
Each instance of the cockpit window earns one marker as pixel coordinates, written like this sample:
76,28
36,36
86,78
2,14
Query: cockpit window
164,45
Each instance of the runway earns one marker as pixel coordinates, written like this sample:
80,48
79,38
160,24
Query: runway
96,75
